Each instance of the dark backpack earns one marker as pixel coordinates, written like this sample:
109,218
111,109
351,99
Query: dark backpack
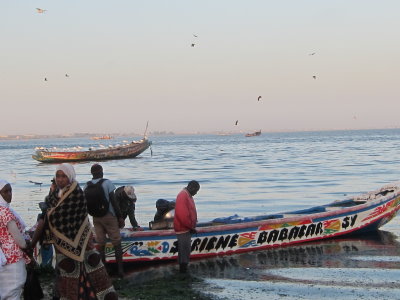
97,203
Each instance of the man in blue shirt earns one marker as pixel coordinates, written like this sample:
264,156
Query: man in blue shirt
109,224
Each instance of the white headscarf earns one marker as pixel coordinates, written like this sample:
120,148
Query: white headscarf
68,170
4,203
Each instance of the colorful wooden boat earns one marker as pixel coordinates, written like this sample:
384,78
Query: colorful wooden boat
224,236
130,150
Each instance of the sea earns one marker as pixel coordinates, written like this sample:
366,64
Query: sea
244,176
247,176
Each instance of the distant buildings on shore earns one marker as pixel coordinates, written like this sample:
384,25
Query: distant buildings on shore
73,135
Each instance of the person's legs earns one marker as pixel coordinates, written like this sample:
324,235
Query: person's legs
46,252
100,231
12,280
114,234
184,249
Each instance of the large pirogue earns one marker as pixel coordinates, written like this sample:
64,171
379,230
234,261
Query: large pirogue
130,150
223,236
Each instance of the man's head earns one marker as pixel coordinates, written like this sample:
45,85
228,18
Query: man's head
97,171
193,187
130,192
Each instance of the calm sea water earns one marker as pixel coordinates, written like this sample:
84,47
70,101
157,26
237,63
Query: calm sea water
274,172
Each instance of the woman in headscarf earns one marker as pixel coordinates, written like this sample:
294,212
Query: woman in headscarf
80,273
12,246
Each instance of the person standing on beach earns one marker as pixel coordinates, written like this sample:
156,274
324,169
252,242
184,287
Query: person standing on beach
12,247
111,222
80,273
185,220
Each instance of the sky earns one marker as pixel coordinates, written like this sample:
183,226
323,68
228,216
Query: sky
129,62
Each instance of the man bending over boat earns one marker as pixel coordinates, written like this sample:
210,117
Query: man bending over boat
185,220
126,198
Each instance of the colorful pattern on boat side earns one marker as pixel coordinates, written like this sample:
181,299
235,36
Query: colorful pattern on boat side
240,237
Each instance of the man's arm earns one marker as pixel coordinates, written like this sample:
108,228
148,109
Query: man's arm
132,218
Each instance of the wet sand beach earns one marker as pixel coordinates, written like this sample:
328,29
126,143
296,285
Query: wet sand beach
366,267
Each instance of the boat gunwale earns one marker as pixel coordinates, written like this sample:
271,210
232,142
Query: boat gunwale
257,223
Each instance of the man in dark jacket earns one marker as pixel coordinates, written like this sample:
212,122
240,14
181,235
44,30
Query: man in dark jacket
126,198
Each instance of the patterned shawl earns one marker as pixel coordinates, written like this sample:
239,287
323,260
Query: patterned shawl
68,221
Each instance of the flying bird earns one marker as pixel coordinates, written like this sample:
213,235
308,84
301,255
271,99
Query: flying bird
192,45
312,53
194,35
259,98
236,122
45,79
66,75
41,11
315,77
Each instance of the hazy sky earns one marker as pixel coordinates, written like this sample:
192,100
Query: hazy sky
132,61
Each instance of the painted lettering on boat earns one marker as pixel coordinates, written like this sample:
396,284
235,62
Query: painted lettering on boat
280,235
210,243
286,234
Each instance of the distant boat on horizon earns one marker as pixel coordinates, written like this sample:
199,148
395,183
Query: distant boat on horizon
104,137
256,133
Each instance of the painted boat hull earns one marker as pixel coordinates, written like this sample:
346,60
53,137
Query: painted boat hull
127,151
227,236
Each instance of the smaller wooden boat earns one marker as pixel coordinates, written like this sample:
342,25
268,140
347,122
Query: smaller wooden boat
256,133
129,150
104,137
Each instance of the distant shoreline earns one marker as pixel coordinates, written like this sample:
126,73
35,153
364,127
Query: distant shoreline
163,133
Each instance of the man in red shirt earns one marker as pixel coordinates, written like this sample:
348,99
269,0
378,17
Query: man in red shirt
185,220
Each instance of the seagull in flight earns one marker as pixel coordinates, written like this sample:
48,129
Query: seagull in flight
45,79
315,77
41,11
66,75
192,45
312,53
194,35
236,122
259,98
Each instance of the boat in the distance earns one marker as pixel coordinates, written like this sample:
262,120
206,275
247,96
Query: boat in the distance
228,235
128,150
103,137
256,133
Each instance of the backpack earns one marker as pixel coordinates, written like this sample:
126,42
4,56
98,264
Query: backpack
96,201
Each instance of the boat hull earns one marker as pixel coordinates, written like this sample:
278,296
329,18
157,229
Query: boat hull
263,232
127,151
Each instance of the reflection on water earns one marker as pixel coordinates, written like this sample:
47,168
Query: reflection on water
331,253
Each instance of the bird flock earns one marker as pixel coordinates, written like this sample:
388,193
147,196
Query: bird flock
192,45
